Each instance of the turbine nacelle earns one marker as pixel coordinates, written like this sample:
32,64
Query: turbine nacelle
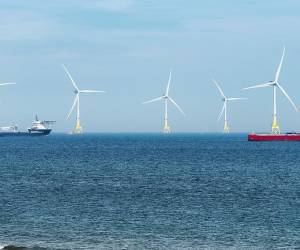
272,83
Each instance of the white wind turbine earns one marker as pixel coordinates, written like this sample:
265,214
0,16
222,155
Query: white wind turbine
77,92
275,85
166,97
224,108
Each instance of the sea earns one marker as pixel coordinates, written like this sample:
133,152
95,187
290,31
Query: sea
148,191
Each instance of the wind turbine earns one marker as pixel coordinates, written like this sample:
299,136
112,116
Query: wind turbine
224,108
275,85
166,97
77,92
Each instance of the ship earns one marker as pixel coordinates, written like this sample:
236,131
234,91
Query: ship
291,136
38,128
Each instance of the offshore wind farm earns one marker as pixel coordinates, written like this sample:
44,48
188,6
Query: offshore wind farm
167,99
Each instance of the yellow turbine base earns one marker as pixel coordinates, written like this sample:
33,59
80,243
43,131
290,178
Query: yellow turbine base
275,127
166,129
226,128
78,128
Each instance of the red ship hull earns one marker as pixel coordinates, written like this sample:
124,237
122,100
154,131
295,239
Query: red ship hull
270,137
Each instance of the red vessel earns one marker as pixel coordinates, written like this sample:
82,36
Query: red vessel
270,137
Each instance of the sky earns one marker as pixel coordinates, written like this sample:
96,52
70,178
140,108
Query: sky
126,47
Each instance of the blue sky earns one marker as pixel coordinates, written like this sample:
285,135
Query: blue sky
126,47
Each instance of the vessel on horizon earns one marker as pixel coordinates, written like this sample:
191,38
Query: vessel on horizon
290,136
38,128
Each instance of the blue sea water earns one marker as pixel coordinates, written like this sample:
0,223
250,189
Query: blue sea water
149,191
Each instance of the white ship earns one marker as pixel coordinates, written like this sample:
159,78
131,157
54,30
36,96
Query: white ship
38,127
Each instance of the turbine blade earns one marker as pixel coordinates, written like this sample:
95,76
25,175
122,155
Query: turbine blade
263,85
279,67
222,111
74,103
287,96
236,98
176,105
169,81
7,83
154,100
91,91
219,88
69,75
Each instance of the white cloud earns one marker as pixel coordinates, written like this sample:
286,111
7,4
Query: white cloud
111,5
16,25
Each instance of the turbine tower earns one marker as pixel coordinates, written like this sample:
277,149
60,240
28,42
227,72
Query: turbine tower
275,85
166,97
77,92
224,108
